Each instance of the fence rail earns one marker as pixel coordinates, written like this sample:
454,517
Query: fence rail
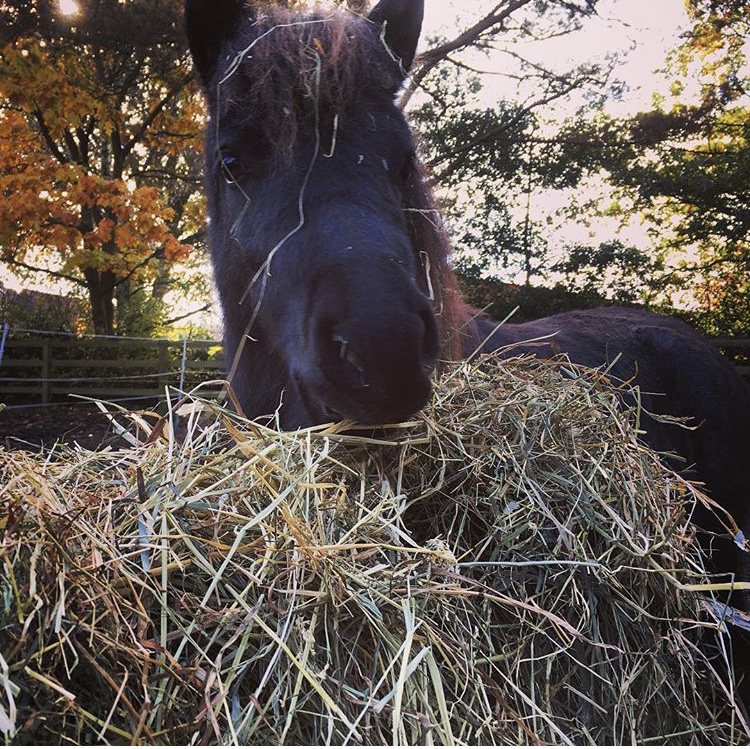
47,370
42,371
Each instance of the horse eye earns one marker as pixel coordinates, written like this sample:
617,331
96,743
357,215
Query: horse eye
230,168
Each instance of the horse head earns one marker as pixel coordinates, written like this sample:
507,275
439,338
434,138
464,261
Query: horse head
324,295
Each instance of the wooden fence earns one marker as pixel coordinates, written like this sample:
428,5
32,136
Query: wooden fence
47,370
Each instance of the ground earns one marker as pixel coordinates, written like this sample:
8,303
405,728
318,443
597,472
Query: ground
34,427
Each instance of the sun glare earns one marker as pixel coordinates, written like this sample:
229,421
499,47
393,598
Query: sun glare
68,7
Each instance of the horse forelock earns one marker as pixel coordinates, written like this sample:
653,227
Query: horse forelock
286,71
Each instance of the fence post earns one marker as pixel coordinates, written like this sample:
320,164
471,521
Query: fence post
163,365
46,372
183,363
6,330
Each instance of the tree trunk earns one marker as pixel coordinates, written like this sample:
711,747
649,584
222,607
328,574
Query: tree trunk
101,288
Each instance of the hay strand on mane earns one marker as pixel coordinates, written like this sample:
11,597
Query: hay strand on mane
511,567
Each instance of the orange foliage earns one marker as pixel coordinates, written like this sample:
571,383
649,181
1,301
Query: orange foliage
65,190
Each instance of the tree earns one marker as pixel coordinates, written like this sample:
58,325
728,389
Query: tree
470,149
707,184
681,169
100,129
487,160
610,270
505,27
717,43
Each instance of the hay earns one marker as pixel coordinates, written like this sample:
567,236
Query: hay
513,567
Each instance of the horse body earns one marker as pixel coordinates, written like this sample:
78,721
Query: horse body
333,271
677,373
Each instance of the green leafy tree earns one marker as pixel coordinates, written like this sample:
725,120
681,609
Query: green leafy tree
475,154
684,169
610,270
717,44
100,130
687,174
488,160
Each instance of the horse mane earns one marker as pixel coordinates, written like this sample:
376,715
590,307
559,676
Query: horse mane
429,237
282,62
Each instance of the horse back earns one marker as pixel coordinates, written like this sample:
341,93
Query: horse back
676,371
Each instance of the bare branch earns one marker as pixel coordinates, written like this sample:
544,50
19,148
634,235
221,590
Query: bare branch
55,274
431,58
204,308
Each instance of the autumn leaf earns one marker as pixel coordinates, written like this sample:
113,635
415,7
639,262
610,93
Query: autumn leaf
100,140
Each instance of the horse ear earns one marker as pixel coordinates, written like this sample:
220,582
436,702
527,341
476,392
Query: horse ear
402,20
207,23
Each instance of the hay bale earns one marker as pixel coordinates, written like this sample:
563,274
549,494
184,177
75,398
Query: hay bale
512,567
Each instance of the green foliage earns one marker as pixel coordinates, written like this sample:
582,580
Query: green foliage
717,43
34,310
686,170
483,159
712,181
498,299
487,240
725,306
463,140
681,170
692,178
138,312
612,271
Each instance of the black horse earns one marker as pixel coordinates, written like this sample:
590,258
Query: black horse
333,269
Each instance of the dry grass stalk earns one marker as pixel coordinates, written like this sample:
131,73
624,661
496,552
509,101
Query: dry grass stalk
509,568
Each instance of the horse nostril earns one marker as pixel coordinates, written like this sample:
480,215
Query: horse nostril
350,356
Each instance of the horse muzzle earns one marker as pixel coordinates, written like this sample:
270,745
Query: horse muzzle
373,371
